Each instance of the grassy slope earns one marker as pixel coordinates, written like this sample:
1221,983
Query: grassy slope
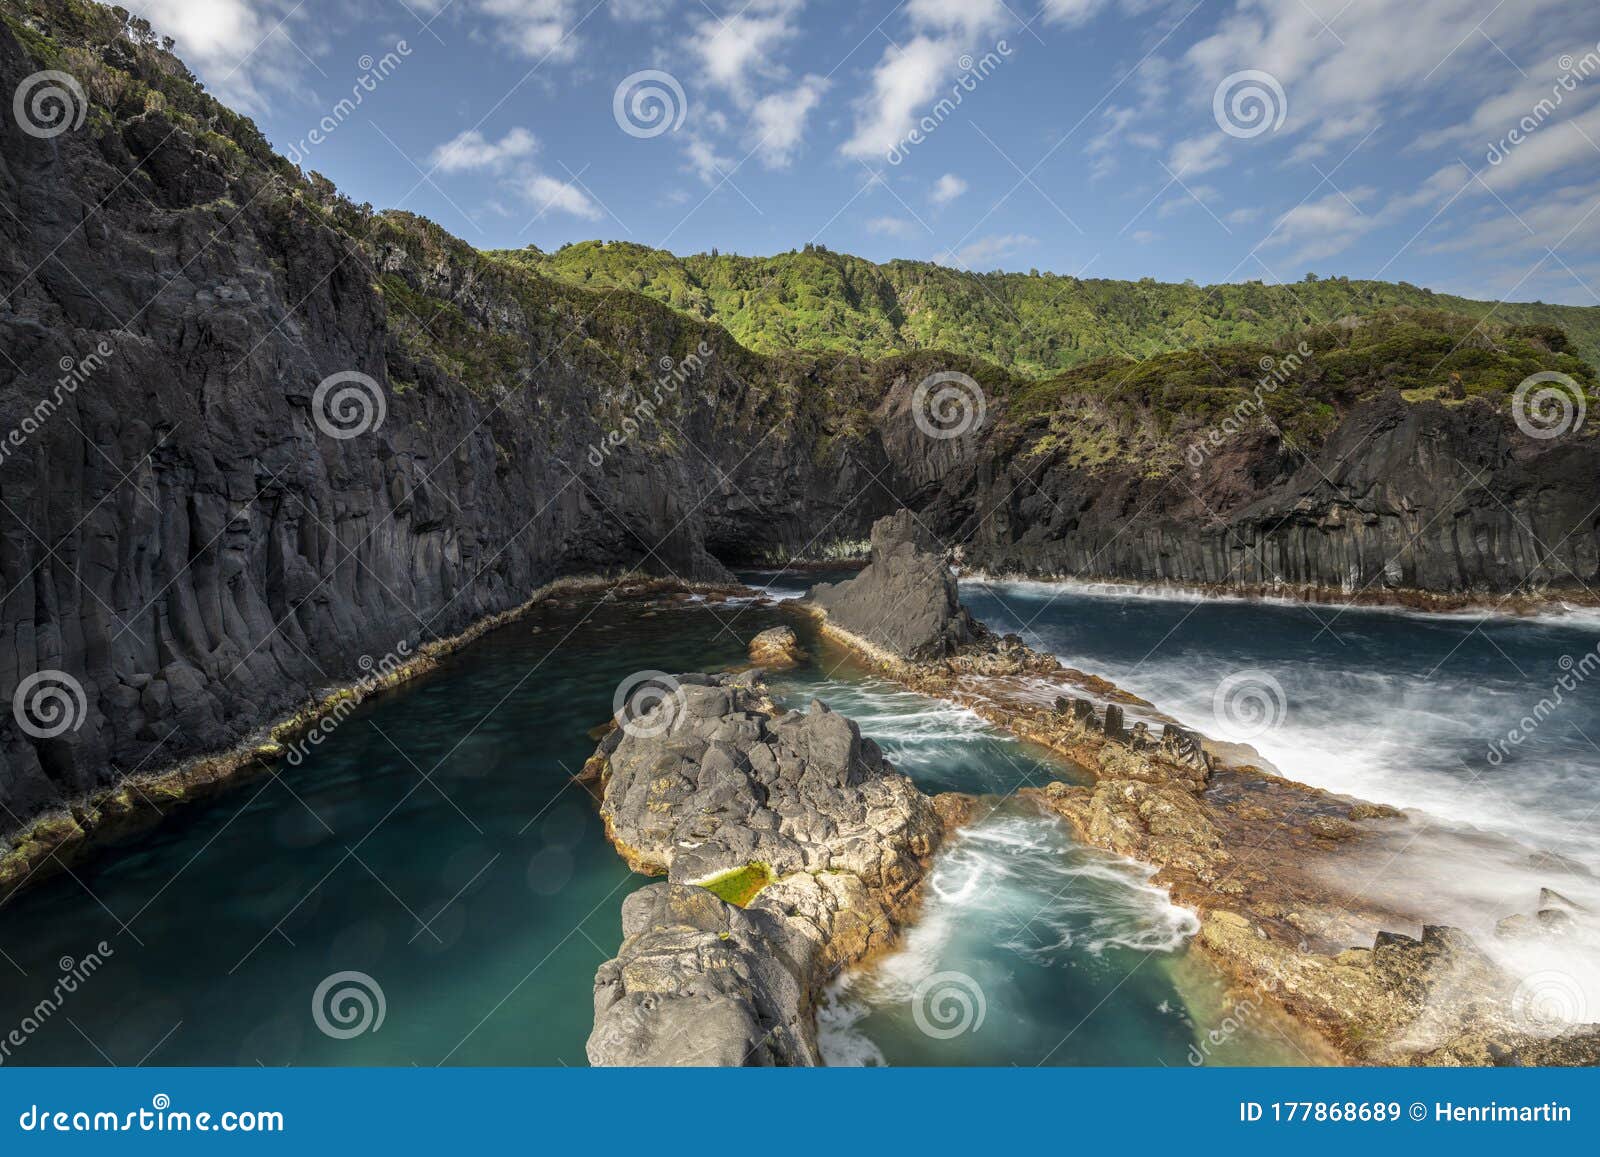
1033,324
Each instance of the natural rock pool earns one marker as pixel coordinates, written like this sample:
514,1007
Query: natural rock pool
436,843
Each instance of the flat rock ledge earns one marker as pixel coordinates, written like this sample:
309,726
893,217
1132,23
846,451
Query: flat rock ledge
791,848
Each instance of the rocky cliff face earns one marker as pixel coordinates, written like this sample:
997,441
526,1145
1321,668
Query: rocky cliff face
1399,497
190,531
251,433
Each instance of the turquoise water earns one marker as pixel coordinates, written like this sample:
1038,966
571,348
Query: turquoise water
436,844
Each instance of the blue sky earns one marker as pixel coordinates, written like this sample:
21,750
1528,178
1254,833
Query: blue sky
1451,143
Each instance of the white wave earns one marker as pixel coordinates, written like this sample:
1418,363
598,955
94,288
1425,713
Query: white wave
1554,610
1014,885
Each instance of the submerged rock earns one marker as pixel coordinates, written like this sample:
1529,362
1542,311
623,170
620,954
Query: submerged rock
776,649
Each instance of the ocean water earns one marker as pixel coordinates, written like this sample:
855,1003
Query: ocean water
1484,726
435,845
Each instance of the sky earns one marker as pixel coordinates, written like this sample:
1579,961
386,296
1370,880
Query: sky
1450,143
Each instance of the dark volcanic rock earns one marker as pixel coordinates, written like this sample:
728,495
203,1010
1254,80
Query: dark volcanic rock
906,599
701,982
710,784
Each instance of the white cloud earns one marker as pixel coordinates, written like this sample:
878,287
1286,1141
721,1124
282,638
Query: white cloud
472,150
636,11
235,46
905,79
704,160
778,121
946,189
987,249
564,196
1323,228
892,226
537,28
967,18
734,50
1198,154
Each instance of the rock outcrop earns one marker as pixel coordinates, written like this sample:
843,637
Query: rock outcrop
905,601
819,844
776,649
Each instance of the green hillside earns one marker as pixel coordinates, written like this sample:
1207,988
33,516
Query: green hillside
1035,324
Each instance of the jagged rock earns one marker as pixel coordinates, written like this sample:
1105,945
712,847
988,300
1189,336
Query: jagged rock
1113,721
701,982
776,648
1332,828
1374,811
711,781
905,600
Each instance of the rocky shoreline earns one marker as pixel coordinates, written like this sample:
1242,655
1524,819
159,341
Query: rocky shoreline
1247,849
791,848
1510,605
64,836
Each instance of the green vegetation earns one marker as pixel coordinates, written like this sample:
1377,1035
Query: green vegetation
1032,324
741,885
1121,410
1099,372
